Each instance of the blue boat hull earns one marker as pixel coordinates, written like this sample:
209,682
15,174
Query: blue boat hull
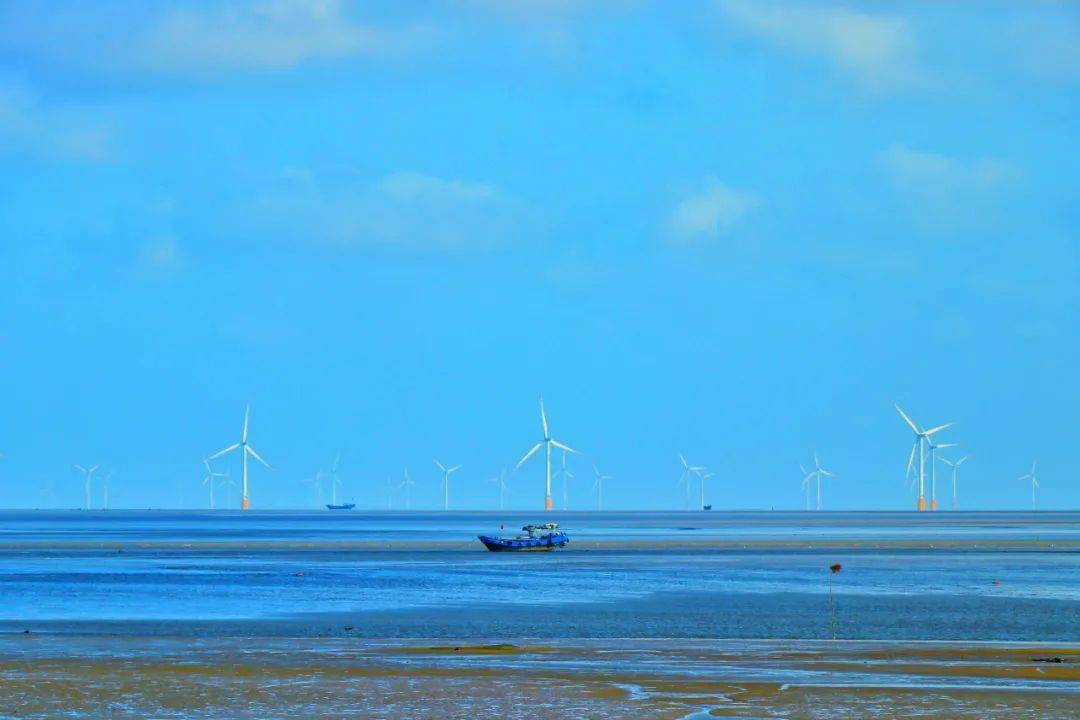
534,544
343,506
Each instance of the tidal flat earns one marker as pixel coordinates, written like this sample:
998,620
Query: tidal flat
644,615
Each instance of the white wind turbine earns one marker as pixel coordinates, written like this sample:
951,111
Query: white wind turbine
500,480
88,474
703,477
446,482
598,486
921,438
406,485
954,466
566,477
335,479
933,470
816,475
545,443
245,449
1034,482
684,479
316,481
210,479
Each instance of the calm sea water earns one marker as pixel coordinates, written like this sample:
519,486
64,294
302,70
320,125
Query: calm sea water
972,576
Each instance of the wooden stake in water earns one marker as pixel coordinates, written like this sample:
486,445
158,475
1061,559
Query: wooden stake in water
833,569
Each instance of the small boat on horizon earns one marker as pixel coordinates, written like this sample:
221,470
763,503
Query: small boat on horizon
534,538
341,506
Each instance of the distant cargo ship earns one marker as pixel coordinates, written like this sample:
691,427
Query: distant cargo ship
534,537
342,506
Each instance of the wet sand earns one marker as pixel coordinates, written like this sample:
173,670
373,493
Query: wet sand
44,677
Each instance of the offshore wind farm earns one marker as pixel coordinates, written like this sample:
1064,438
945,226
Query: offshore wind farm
490,359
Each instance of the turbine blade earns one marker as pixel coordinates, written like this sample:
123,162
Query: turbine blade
683,461
908,420
453,469
567,448
219,453
911,459
439,465
528,455
247,416
256,456
543,416
939,428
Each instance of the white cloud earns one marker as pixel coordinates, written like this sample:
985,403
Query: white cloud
405,210
946,190
258,35
30,127
710,212
878,51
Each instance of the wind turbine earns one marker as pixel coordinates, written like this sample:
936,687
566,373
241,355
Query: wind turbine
1034,482
316,481
500,479
703,477
933,471
245,449
684,479
210,479
89,476
954,466
407,484
545,443
446,482
598,486
817,474
335,479
921,438
566,477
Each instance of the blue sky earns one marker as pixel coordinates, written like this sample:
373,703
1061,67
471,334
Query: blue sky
736,229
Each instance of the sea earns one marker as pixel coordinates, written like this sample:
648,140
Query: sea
305,598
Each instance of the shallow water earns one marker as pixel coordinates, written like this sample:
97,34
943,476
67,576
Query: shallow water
295,611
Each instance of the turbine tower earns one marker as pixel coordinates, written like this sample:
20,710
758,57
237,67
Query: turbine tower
546,442
210,479
1034,482
598,486
703,477
446,482
954,466
684,479
245,449
500,480
812,476
89,476
921,438
933,471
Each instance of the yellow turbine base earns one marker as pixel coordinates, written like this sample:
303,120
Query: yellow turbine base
922,504
933,505
245,505
547,503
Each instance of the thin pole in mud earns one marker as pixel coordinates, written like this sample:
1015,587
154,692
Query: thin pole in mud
833,569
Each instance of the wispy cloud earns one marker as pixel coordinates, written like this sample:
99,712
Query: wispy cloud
944,188
261,35
31,127
878,51
709,212
405,210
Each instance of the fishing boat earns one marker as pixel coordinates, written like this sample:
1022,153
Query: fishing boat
342,506
533,537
